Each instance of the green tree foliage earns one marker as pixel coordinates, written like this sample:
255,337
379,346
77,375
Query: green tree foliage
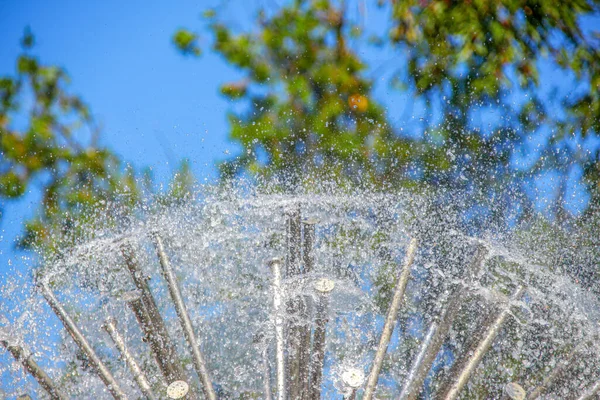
311,106
478,53
48,140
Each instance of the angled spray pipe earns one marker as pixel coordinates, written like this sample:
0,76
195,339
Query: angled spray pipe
482,348
556,372
110,326
26,359
153,325
184,318
275,265
390,320
308,240
412,389
158,347
408,383
295,305
591,393
323,287
101,369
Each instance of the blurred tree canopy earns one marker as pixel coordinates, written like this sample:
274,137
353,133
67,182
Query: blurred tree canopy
49,141
309,107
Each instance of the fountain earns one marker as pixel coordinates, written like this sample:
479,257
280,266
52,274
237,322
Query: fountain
244,296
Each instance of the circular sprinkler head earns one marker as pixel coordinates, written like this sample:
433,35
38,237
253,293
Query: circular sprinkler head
353,378
514,391
324,285
177,389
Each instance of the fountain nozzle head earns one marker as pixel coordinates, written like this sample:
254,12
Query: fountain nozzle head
353,378
324,285
177,389
514,391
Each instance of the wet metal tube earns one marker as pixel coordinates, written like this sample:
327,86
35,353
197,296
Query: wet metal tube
266,372
275,265
554,374
110,326
390,320
101,369
295,305
323,288
34,369
591,392
482,348
419,360
412,389
308,236
184,318
155,330
157,346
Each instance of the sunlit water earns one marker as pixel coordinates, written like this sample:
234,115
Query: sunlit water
219,246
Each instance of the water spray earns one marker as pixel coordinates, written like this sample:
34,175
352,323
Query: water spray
352,378
390,320
482,348
556,372
514,391
143,305
184,319
101,369
460,293
110,326
275,265
32,367
158,346
323,287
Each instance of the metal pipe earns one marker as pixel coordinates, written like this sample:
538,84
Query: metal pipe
308,232
184,318
459,294
419,360
71,327
554,374
591,392
323,287
294,241
275,265
26,359
110,326
390,320
266,372
295,305
308,235
482,348
152,323
166,367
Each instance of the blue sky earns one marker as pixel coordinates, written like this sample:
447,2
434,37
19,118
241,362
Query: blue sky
156,106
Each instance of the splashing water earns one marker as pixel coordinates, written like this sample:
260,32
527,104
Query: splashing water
477,317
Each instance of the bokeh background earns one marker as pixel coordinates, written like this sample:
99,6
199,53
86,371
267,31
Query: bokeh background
500,100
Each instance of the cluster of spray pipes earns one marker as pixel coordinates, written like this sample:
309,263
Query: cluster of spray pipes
143,305
300,343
